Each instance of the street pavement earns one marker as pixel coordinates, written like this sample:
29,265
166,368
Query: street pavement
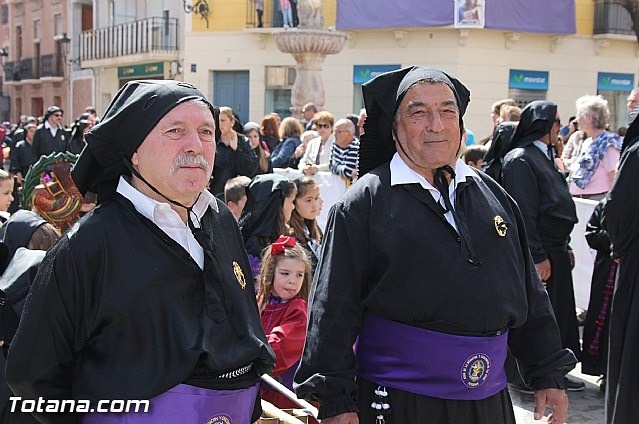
586,407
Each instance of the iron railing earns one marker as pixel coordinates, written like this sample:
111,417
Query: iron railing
144,36
612,18
48,65
272,16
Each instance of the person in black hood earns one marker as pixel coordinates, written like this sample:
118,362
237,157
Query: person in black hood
500,145
530,176
24,240
150,295
621,221
424,251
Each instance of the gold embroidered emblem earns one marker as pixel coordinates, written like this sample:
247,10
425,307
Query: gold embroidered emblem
501,226
237,270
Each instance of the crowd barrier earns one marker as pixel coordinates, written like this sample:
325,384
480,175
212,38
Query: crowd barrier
332,187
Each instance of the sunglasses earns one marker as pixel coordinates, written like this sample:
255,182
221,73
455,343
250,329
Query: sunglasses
323,125
58,115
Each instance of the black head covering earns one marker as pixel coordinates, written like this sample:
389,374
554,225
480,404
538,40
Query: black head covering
264,198
536,120
382,96
51,110
500,145
19,228
133,113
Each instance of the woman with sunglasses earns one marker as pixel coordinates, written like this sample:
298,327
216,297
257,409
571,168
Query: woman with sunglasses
318,152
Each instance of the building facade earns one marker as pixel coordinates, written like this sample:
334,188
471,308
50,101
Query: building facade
561,50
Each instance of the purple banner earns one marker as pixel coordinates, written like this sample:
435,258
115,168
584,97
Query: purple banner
543,16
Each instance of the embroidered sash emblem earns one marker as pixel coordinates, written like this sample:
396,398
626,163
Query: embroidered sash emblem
501,226
237,270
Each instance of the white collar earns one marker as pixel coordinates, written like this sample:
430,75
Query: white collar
401,173
48,126
151,208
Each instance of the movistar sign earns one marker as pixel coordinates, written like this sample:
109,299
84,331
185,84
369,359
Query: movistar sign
528,80
615,82
364,73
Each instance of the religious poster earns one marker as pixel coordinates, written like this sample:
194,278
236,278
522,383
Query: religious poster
469,13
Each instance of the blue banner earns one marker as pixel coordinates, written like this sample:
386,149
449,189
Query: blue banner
528,80
615,82
365,73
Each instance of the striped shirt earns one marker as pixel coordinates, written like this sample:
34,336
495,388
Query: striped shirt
344,160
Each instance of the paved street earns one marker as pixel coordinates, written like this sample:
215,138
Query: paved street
586,407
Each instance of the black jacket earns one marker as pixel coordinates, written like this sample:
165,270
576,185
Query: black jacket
45,144
230,163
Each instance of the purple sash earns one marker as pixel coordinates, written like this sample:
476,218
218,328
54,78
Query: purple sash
188,404
430,363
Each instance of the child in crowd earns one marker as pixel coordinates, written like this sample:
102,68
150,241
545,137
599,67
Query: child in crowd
235,195
284,287
287,13
474,155
269,204
308,205
6,194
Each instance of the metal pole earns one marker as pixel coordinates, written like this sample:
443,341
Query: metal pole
306,407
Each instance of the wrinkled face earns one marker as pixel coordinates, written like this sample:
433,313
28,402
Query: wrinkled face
308,114
176,157
427,125
309,205
288,206
6,194
633,99
343,136
254,138
288,278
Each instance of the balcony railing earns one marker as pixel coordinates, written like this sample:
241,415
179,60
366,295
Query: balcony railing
272,16
144,36
612,18
50,65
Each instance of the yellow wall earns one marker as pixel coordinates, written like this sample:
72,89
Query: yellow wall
585,11
227,15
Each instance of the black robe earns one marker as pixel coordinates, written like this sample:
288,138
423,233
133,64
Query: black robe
550,215
621,220
230,163
119,310
595,337
389,251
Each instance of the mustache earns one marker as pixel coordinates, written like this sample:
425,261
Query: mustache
188,159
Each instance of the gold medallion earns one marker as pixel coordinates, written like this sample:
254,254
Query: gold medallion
501,226
237,270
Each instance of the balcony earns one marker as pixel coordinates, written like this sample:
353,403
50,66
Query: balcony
146,40
272,16
45,66
612,19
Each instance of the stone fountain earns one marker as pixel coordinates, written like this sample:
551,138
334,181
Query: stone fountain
309,44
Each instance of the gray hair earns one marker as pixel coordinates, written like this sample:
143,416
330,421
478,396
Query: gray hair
596,107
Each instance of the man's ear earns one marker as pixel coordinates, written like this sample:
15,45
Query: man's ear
134,159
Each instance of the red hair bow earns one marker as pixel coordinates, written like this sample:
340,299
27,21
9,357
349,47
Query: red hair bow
281,243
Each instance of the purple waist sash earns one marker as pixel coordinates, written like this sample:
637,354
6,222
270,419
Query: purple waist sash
430,363
188,404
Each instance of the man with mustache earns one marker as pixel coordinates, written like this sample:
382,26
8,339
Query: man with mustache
150,296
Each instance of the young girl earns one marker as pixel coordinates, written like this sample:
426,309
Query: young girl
308,205
269,204
287,13
6,194
284,287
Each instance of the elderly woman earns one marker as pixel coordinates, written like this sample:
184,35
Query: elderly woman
318,151
593,172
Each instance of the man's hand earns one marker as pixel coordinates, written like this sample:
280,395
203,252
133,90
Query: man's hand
347,418
543,268
558,402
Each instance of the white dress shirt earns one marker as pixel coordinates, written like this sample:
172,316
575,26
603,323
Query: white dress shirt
168,220
401,173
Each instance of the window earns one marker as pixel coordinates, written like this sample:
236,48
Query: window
18,43
57,24
279,84
4,14
36,30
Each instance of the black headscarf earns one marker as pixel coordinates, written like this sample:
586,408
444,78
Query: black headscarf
17,231
499,146
382,96
51,110
536,120
264,199
133,113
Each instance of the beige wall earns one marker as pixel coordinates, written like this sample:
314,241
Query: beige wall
483,63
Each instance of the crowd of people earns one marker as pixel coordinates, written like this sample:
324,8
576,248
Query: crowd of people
212,268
